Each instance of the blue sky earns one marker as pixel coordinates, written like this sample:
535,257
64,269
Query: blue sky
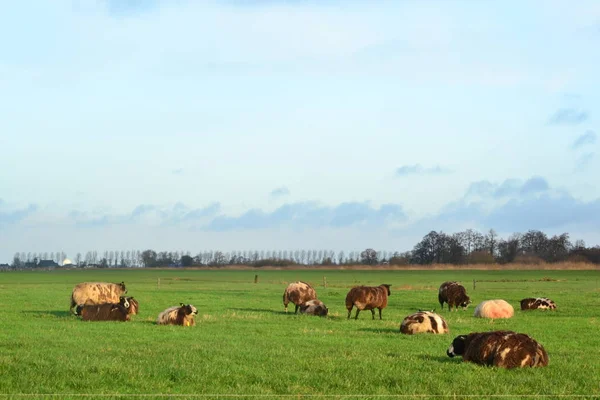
241,125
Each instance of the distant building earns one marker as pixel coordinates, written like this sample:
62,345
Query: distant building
67,263
47,264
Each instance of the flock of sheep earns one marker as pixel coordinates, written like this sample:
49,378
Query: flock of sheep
100,301
506,349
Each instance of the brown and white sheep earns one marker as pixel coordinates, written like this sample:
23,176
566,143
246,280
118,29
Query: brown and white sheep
539,303
494,309
298,293
367,298
424,322
314,307
506,349
130,303
105,312
454,294
96,293
178,315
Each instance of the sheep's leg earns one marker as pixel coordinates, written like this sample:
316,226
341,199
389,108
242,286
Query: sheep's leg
357,311
349,312
380,314
373,313
296,312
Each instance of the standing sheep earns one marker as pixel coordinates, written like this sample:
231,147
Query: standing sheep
106,312
367,298
178,315
494,309
454,294
314,307
540,303
424,322
505,349
298,293
96,293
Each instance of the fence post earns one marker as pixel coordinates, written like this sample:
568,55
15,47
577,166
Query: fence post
473,284
256,278
158,283
325,281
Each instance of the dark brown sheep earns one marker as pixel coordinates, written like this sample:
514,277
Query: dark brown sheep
367,298
505,349
178,315
540,303
298,293
134,305
454,294
105,312
96,293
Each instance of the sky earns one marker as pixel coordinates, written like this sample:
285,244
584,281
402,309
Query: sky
282,125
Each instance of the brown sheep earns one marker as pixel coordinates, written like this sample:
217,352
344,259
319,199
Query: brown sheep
134,305
505,349
367,298
298,293
96,293
540,303
424,322
314,307
105,312
130,303
178,315
454,294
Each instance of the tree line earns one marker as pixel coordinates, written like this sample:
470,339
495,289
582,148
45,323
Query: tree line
467,247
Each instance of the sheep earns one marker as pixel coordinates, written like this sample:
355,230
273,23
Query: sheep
424,322
314,307
540,303
506,349
367,298
105,312
96,293
454,294
178,315
494,309
134,305
298,293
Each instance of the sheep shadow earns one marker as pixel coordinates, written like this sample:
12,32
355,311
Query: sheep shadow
440,359
380,330
50,313
262,310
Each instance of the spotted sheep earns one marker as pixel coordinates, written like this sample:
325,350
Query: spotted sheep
539,303
506,349
130,303
367,298
454,294
424,322
314,307
178,315
298,293
88,293
106,312
494,309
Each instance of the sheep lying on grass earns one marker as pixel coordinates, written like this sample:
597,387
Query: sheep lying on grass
539,303
506,349
178,315
424,322
96,293
314,307
494,309
298,293
106,312
367,298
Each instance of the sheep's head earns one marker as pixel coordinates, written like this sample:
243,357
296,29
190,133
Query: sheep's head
466,302
388,288
124,302
122,286
457,348
189,309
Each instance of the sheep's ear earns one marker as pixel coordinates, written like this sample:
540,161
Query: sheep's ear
181,304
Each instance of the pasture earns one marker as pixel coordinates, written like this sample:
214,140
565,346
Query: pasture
245,346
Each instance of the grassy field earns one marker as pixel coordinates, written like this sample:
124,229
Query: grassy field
245,346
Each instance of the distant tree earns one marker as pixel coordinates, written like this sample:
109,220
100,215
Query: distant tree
78,259
369,257
17,263
149,258
508,249
187,261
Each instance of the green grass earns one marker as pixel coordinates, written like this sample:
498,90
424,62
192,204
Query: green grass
244,344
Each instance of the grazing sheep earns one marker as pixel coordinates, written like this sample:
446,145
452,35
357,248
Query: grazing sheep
505,349
367,298
424,322
494,309
105,312
540,303
96,293
314,307
298,293
178,315
454,294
